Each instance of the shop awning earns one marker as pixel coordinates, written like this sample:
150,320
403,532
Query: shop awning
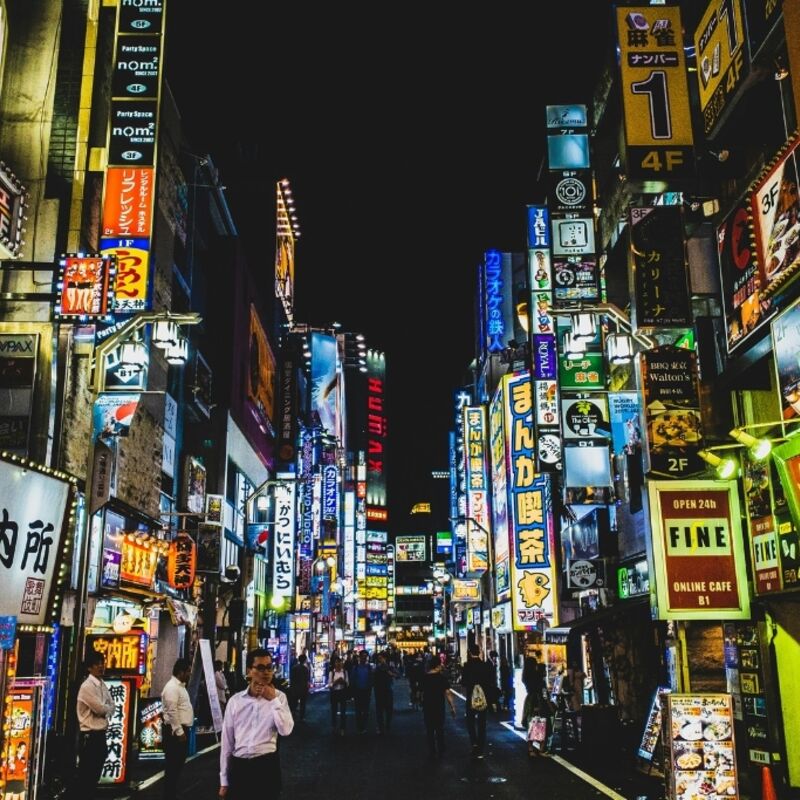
560,634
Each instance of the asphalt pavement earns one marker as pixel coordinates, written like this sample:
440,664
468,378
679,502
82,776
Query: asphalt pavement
317,762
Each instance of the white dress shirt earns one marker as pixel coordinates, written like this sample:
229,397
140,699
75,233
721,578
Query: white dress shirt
251,727
177,707
94,705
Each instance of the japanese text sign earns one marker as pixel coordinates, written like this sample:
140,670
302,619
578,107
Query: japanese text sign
283,572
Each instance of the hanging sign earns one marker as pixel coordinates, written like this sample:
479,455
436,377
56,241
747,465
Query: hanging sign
181,561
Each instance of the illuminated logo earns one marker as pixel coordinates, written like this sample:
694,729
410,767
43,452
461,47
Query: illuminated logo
141,24
131,155
570,192
136,88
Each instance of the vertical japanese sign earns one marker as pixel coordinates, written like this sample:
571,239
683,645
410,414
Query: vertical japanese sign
19,762
132,146
659,268
477,490
499,483
698,556
533,587
742,277
33,514
284,250
720,46
673,425
377,428
493,300
283,578
655,95
119,732
182,561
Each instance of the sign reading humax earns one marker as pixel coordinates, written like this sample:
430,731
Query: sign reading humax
697,551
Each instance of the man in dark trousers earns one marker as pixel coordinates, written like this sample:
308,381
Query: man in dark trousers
95,708
477,671
435,690
299,678
178,719
361,684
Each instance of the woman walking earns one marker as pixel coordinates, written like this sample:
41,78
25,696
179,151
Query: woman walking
338,683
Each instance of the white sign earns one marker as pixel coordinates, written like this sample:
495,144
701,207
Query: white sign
283,563
211,684
170,416
32,509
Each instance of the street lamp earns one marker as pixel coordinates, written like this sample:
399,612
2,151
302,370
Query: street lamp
125,335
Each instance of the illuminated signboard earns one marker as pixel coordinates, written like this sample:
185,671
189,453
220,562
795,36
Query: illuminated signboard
284,250
125,653
377,436
13,203
133,271
655,94
478,522
410,548
85,287
139,559
494,301
260,377
533,579
128,203
497,449
119,732
698,556
283,574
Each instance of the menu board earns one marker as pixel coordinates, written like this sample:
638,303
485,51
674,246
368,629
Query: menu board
652,728
701,758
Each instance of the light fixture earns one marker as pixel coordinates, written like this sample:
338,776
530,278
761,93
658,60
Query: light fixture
178,352
522,314
759,448
262,502
781,70
584,326
721,155
330,561
574,348
133,355
165,333
724,467
619,347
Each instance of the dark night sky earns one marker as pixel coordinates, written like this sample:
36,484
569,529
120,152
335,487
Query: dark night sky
412,137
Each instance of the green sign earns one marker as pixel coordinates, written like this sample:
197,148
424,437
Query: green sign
586,372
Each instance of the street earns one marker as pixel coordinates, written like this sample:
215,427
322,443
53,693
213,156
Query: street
318,764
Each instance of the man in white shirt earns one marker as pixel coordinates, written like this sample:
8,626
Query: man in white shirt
178,717
94,708
253,720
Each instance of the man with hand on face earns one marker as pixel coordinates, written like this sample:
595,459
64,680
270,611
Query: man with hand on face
253,720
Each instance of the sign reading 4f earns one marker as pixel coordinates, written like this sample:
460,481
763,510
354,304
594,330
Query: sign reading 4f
655,95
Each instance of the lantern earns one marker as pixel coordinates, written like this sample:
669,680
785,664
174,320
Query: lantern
182,561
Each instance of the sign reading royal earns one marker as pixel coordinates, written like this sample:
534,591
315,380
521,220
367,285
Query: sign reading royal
697,553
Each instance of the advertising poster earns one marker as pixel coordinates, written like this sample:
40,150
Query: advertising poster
697,550
573,237
261,371
120,731
576,279
194,481
661,292
17,376
701,752
533,578
151,742
786,346
18,765
324,379
33,513
113,414
652,728
742,278
775,206
209,537
85,287
626,433
466,591
673,425
410,548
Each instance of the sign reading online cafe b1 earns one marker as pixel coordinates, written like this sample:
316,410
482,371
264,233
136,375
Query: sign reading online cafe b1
697,552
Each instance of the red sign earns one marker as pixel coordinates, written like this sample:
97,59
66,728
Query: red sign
85,286
128,203
697,550
182,561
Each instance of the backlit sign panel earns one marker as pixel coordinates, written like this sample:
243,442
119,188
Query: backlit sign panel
475,435
283,574
85,287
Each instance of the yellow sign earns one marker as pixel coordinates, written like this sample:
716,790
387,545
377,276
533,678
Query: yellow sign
421,508
655,94
719,47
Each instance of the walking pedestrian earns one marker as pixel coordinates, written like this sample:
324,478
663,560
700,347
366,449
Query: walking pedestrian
506,683
477,672
361,682
94,708
339,686
533,679
178,718
299,679
495,697
383,682
223,692
435,690
253,721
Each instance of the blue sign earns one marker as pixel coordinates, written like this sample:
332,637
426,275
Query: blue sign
538,227
8,632
495,322
545,363
329,482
